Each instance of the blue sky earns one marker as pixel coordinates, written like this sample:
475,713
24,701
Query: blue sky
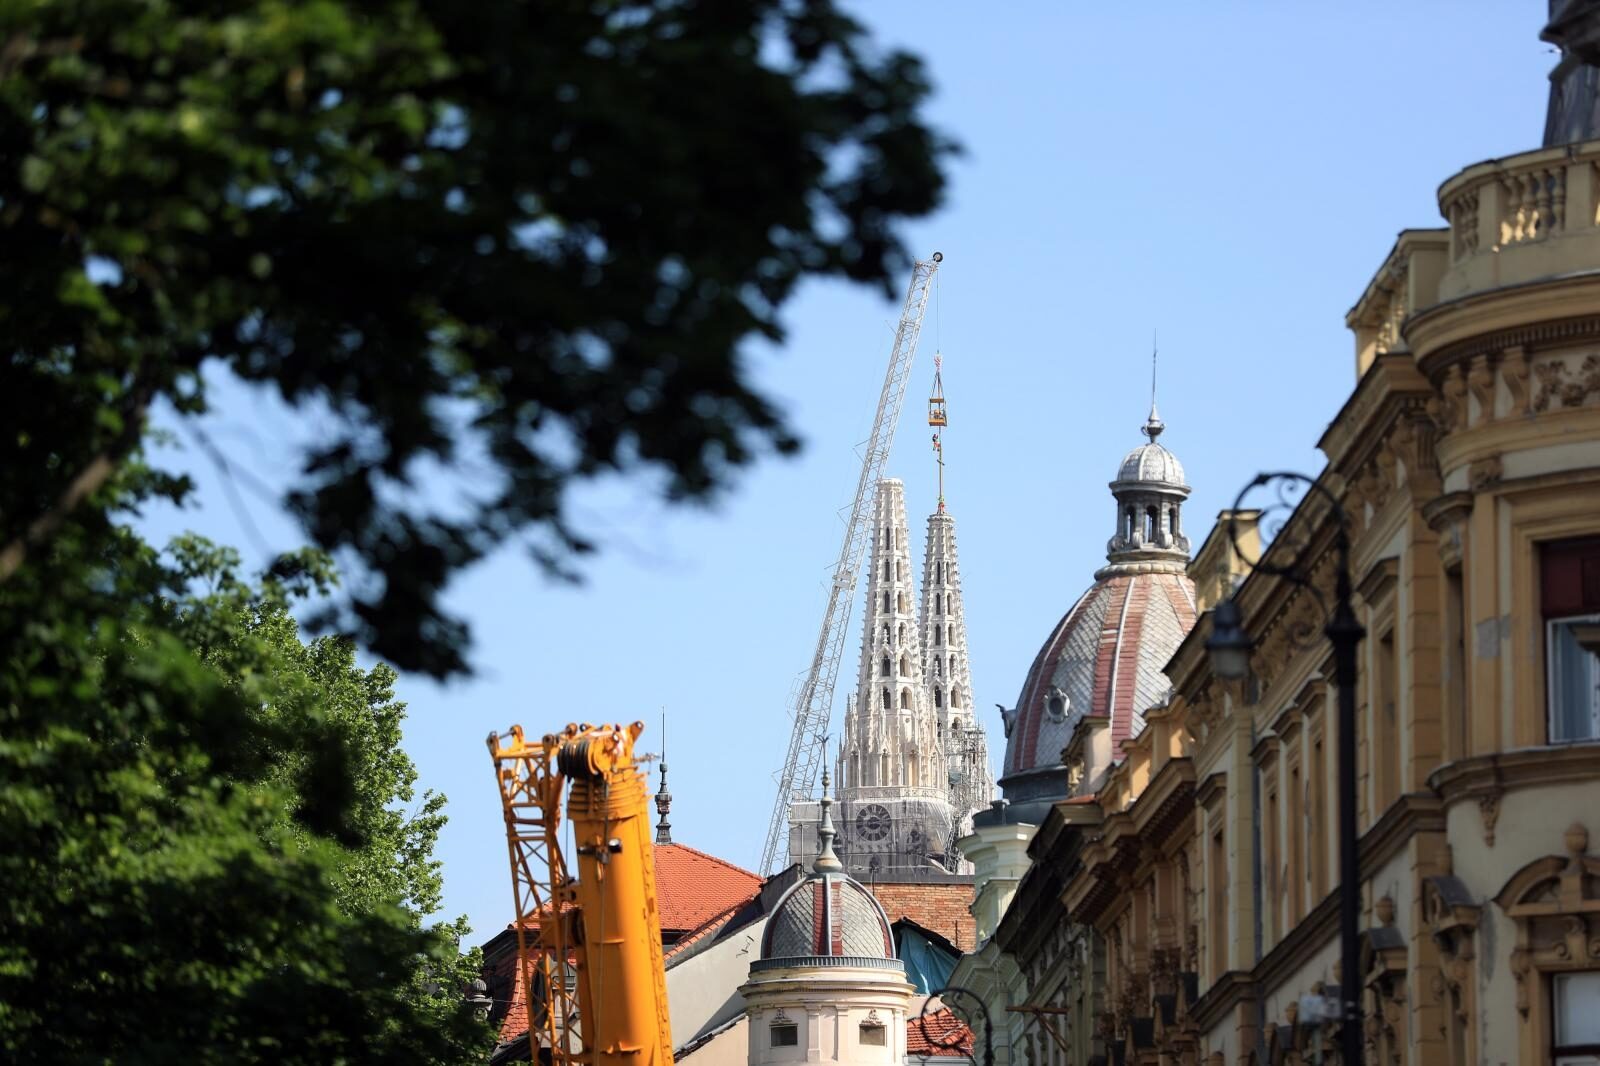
1228,173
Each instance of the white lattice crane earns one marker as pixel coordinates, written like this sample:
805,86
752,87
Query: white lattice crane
812,705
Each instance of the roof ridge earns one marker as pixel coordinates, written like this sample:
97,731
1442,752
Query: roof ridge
705,928
707,855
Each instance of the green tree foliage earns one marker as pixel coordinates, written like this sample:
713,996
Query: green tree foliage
527,239
213,848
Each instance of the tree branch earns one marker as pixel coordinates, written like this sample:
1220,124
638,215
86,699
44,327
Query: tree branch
90,478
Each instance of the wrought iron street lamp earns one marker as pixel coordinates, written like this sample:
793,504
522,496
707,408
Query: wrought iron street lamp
1229,647
983,1013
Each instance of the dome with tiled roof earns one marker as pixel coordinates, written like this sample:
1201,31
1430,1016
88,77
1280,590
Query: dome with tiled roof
829,915
1106,655
1151,463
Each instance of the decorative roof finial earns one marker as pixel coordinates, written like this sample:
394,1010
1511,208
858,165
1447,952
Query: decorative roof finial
663,797
1153,425
827,862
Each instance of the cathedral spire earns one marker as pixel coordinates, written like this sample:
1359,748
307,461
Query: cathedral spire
947,673
891,756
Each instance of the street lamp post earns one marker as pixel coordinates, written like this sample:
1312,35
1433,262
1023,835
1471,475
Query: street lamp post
983,1013
1230,646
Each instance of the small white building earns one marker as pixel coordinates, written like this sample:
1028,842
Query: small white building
827,987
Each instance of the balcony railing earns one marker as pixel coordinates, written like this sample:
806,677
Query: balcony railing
1522,218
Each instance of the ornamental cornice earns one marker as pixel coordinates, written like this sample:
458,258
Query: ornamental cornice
1166,800
1487,777
1390,384
1486,446
1212,789
1226,992
1539,314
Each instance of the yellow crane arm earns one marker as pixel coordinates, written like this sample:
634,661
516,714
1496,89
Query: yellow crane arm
604,922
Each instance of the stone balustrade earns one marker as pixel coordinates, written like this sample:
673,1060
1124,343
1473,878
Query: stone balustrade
1525,217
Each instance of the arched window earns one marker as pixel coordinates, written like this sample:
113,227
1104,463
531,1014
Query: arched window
886,570
905,699
902,639
886,599
938,603
938,634
905,667
899,570
885,665
950,634
955,698
886,703
1150,525
886,632
1128,524
938,698
1173,518
904,606
952,665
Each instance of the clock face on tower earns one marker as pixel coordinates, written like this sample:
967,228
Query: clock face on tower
872,822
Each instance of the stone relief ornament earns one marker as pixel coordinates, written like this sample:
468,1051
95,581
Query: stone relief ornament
1559,385
1489,812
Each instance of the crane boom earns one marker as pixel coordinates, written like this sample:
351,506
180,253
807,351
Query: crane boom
588,946
813,700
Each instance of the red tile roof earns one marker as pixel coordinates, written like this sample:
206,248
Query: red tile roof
938,1033
696,895
711,927
693,887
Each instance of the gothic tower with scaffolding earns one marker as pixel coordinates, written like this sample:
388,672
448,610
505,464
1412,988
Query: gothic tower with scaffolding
946,669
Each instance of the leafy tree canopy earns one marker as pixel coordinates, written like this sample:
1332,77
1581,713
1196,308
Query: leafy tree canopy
213,848
528,237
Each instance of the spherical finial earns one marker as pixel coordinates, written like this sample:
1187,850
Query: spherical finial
1577,839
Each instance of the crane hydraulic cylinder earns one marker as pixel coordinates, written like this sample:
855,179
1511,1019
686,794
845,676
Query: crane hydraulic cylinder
608,808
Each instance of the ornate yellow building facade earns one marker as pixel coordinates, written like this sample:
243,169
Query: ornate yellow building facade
1193,884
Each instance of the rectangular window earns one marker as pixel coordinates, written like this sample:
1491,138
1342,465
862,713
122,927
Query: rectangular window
785,1035
1294,886
1217,890
1569,599
874,1035
1455,669
1575,1002
1319,821
1269,855
1573,652
1386,726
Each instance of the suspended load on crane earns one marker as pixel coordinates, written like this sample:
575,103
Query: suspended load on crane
936,415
